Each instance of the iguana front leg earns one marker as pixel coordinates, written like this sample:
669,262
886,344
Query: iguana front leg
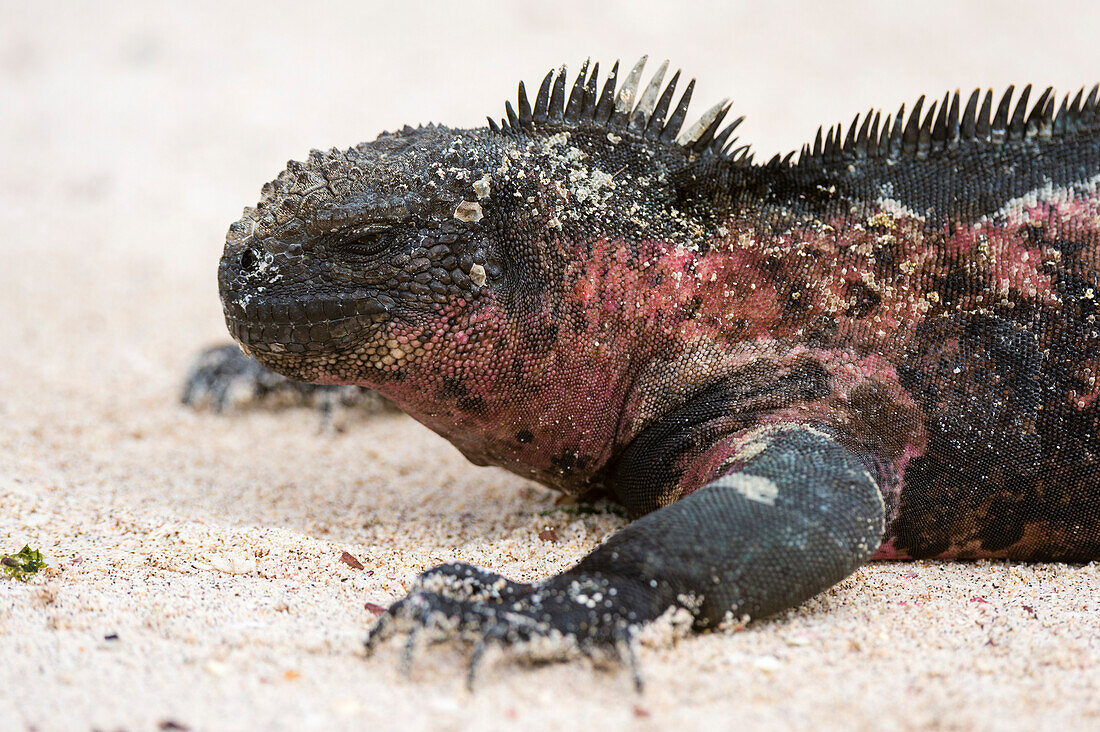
222,377
786,513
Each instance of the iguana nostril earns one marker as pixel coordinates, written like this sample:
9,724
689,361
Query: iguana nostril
249,260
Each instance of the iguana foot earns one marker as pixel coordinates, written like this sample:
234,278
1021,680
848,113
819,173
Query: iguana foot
224,377
558,619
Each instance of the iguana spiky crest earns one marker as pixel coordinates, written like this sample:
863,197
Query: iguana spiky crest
621,110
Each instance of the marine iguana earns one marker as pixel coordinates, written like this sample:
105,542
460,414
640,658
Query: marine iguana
885,347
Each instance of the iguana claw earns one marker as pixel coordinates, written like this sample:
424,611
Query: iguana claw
542,622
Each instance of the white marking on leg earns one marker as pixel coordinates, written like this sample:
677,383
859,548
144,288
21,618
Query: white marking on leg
754,487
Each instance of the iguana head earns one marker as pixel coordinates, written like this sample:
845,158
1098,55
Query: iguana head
349,250
358,264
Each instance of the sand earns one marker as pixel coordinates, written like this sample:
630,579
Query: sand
196,577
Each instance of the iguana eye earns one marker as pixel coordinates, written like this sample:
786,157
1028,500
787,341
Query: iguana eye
366,242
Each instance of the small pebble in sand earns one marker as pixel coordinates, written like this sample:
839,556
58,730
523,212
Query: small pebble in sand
232,563
767,664
215,668
795,641
350,560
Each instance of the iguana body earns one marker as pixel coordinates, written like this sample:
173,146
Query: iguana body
886,348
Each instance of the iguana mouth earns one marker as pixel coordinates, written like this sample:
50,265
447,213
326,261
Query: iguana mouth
280,325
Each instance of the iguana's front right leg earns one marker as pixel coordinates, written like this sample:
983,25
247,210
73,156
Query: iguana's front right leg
785,513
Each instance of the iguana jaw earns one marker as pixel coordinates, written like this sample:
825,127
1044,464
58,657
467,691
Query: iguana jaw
261,282
286,326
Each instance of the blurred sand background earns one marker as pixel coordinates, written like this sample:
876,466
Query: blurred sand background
197,578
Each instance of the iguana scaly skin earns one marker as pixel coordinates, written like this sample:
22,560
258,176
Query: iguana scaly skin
887,348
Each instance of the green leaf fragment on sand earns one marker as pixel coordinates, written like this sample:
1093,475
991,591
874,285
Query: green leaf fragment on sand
24,565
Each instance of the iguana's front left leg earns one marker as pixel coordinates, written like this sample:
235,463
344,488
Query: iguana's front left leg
786,512
223,377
